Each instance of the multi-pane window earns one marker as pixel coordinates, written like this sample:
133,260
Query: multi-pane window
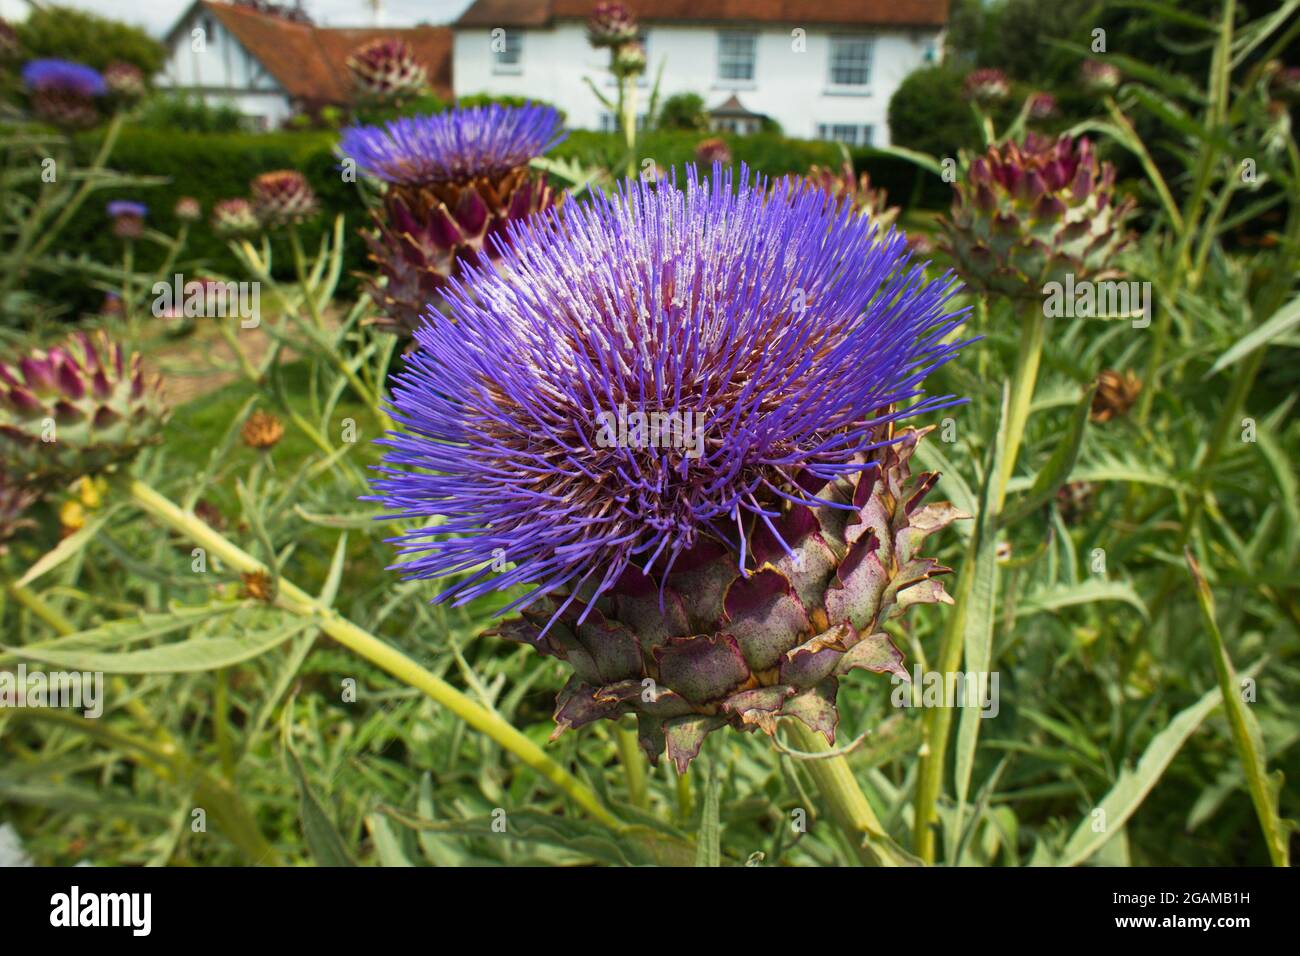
736,54
851,134
850,61
608,122
508,52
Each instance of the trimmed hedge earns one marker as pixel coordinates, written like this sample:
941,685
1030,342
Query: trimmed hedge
213,166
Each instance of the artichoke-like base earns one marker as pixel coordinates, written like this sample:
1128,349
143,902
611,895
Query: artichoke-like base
74,410
423,233
713,646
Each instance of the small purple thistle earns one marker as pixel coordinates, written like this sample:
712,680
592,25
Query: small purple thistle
63,76
127,207
456,145
792,328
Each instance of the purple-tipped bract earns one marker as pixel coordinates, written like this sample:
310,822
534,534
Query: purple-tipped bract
789,329
456,145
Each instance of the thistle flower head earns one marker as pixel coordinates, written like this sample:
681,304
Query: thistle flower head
188,209
855,191
63,76
282,197
261,430
125,81
629,59
712,150
611,25
455,146
1117,392
387,69
1025,214
455,183
1099,76
775,335
128,218
234,217
64,93
74,409
986,85
1040,105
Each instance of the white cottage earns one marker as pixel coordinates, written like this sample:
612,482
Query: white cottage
823,69
270,63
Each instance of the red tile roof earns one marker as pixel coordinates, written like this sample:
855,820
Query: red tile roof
536,13
310,62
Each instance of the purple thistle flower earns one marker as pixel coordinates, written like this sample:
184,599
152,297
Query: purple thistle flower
63,76
790,329
126,207
457,145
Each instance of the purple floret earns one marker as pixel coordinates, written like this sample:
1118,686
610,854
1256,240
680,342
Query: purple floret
125,207
63,76
786,325
455,145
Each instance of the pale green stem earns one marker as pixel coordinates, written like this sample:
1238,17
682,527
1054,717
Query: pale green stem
1022,391
629,754
936,723
294,599
88,184
845,800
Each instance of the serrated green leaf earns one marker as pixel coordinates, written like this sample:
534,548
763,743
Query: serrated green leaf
323,839
1132,787
1246,735
194,655
1057,596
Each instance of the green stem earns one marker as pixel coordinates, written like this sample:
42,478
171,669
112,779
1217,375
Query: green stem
936,723
627,107
1022,392
845,800
629,754
685,802
294,599
51,232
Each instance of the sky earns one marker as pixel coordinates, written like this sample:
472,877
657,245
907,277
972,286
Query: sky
157,15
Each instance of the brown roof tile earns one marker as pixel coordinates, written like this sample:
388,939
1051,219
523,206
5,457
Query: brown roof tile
310,62
533,13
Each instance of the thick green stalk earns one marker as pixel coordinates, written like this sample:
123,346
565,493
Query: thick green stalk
629,754
1023,381
936,724
294,599
845,800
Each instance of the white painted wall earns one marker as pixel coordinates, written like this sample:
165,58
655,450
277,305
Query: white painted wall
792,87
221,71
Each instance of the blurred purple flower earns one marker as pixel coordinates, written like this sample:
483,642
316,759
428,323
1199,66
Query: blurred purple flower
456,145
63,76
128,218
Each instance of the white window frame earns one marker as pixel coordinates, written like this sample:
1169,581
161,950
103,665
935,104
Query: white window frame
866,63
728,60
501,65
850,134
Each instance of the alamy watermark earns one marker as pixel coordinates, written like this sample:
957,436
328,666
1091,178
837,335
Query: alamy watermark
81,690
948,689
209,299
675,429
1098,299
